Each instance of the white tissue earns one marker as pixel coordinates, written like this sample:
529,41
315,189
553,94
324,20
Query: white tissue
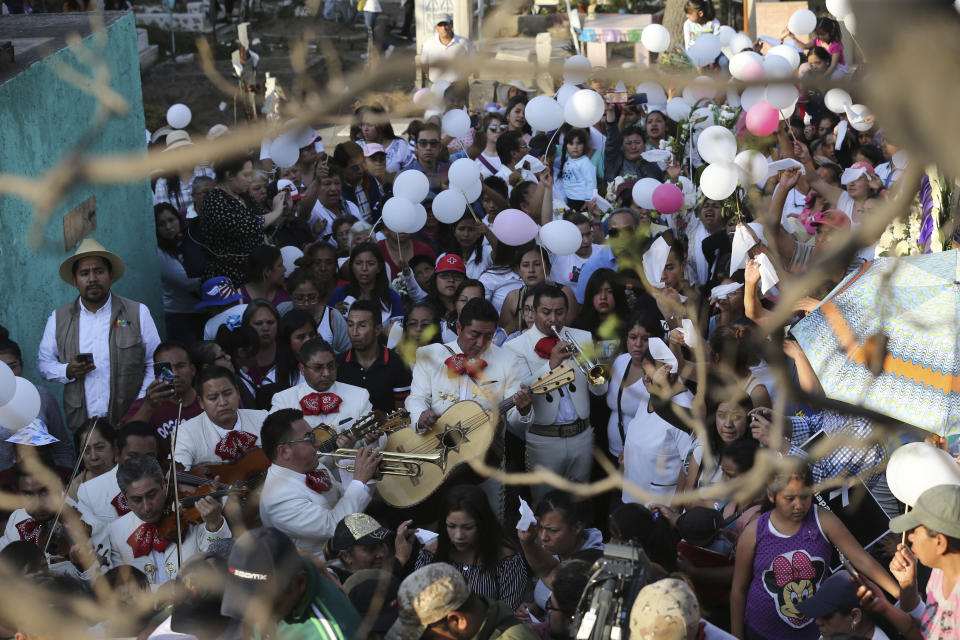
602,203
768,274
425,536
721,291
783,165
841,134
690,336
657,155
654,260
660,352
742,243
527,519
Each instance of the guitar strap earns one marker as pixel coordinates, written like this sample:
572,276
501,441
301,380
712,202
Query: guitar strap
623,437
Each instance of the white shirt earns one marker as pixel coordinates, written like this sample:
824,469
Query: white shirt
320,212
198,437
434,51
654,451
217,321
566,269
493,161
399,155
355,402
96,500
93,336
498,283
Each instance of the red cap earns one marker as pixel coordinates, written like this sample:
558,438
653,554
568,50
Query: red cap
450,262
832,218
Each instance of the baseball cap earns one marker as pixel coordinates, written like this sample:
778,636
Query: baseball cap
450,262
426,596
372,148
262,563
626,184
699,525
937,508
664,610
444,17
832,218
288,184
358,528
218,291
369,587
834,594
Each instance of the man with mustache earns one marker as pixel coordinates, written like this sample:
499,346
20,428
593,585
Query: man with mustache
99,346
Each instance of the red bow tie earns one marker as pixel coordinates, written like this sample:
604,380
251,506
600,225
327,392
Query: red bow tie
461,364
145,538
315,404
234,445
30,530
319,481
545,347
119,503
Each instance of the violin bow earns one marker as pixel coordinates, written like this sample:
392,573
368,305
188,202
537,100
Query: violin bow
76,468
173,480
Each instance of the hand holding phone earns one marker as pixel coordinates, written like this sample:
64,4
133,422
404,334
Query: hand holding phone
80,365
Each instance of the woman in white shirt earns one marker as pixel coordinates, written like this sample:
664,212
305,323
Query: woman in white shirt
489,162
375,128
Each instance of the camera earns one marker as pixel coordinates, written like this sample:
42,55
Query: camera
615,581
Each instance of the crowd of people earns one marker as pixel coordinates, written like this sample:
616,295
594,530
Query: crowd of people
202,473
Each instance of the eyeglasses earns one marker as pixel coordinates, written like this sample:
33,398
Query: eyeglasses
494,128
305,299
311,437
428,143
319,368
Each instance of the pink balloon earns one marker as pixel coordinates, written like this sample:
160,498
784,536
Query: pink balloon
423,98
667,198
752,70
762,119
514,227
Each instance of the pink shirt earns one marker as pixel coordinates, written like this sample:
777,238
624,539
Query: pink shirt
832,48
940,618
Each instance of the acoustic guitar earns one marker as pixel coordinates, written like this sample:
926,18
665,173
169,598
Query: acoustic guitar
463,432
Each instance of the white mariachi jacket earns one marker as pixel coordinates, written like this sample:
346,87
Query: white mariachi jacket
100,502
159,567
198,437
355,402
12,533
531,366
305,515
435,387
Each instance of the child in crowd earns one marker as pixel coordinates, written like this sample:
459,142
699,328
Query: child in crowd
578,173
701,18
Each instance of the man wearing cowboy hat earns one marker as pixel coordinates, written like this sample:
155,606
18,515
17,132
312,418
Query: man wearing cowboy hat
99,346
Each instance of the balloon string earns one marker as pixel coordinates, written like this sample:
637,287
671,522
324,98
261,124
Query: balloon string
543,260
469,207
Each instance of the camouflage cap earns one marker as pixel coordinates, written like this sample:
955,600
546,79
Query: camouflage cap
426,596
664,610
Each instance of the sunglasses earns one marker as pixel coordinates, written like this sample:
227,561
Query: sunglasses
613,233
428,143
494,128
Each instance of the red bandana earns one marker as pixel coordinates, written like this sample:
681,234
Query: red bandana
545,347
119,503
319,481
30,530
145,538
234,445
315,404
461,364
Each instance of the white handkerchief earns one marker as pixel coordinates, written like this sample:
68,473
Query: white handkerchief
742,243
690,336
657,155
602,202
654,261
768,275
660,352
783,165
527,519
850,174
841,134
721,291
425,536
533,163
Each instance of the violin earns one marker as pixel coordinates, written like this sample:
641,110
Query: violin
189,514
244,471
58,537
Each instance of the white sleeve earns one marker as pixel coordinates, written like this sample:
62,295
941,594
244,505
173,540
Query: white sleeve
48,359
204,537
419,399
416,293
298,517
151,340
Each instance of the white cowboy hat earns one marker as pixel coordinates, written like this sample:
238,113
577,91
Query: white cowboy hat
91,248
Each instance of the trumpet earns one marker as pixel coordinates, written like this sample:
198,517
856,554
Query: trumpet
393,463
594,372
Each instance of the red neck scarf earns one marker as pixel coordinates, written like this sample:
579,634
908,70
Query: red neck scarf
234,445
545,346
461,364
147,537
319,481
315,404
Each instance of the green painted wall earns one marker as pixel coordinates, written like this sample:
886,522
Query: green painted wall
43,117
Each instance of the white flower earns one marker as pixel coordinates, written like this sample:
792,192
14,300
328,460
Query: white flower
898,229
666,144
886,239
902,249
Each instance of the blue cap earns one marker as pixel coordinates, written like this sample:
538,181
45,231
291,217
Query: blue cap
836,593
218,292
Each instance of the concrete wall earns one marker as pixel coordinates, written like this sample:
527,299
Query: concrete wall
42,118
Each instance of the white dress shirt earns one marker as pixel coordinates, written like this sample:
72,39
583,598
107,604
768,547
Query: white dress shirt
12,534
198,437
94,337
96,499
355,402
434,51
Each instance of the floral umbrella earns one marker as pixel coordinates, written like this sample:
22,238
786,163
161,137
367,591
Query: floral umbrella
912,306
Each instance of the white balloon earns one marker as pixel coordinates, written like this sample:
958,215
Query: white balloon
899,160
419,218
836,99
398,214
786,52
678,110
751,96
705,49
781,96
754,166
411,185
439,88
473,193
449,205
786,112
850,22
733,98
8,383
703,118
455,123
654,92
23,407
726,33
717,144
577,69
702,87
840,9
463,173
584,108
544,113
740,42
777,67
560,237
655,38
564,92
284,152
643,192
918,466
860,117
802,22
719,180
290,255
179,116
746,61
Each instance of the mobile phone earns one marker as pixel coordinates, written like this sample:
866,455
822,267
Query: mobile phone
163,371
637,99
474,120
615,97
85,358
